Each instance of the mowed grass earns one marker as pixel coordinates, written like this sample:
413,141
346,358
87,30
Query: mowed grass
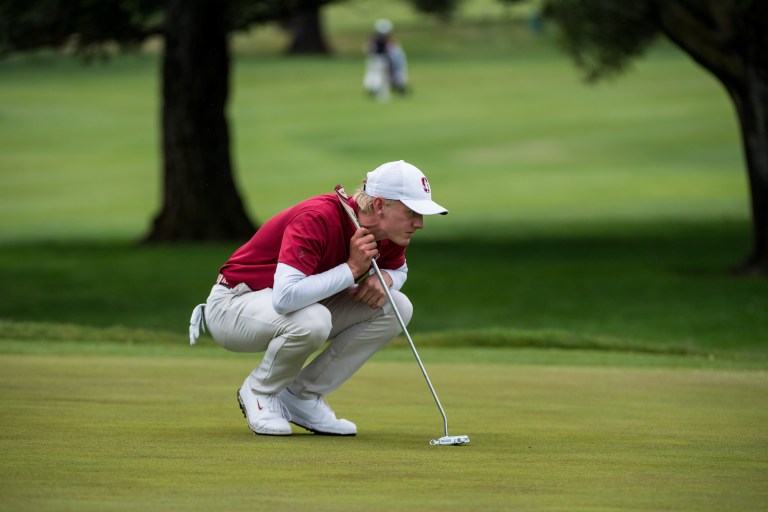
575,310
611,212
662,288
130,431
509,139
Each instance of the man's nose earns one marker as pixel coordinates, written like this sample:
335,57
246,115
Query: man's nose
418,222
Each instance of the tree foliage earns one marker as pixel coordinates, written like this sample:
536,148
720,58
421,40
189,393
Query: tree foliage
604,36
96,26
441,9
728,38
200,198
87,27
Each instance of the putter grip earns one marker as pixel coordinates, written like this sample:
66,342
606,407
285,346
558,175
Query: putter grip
344,198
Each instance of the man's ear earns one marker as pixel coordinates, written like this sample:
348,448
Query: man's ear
378,205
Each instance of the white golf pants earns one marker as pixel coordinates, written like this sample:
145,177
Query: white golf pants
242,320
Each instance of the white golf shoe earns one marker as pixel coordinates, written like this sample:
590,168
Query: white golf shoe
315,415
265,413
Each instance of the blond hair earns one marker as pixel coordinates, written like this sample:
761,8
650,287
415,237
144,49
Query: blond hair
365,202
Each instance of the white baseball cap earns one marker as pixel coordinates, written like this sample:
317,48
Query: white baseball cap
404,182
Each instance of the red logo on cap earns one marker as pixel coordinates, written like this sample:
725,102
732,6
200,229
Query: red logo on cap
425,183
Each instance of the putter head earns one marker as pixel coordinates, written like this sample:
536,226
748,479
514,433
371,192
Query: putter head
450,441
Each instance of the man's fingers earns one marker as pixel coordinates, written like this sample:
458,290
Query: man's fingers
363,239
362,249
363,235
370,292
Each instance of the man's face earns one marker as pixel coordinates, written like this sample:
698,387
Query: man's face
399,222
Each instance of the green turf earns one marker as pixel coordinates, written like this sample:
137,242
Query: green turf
660,287
510,138
157,433
500,346
612,211
575,309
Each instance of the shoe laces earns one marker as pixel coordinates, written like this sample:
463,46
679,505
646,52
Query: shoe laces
322,404
275,405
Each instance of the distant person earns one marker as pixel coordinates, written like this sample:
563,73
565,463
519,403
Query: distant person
305,278
386,65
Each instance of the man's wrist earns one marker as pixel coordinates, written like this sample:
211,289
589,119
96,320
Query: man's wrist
356,273
365,276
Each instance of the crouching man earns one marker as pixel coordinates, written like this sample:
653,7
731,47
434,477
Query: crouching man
304,279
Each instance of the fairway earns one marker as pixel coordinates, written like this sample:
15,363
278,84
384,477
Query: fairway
510,140
576,311
139,432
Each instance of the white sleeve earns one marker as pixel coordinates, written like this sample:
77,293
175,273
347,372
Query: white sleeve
398,276
294,290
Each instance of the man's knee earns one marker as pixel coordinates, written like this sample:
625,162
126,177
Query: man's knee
404,306
312,323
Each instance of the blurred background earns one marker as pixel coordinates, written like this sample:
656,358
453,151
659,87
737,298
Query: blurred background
587,213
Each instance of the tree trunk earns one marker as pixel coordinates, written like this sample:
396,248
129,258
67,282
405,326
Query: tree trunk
729,40
308,37
200,198
752,109
751,101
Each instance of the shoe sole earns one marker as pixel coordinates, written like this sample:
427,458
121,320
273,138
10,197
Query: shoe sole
245,415
321,433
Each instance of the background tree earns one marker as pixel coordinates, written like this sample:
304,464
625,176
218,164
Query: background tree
200,197
307,33
728,38
443,10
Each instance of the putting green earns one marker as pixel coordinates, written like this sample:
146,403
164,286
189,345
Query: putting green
89,432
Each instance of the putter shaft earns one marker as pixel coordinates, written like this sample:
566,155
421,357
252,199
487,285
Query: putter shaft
343,198
410,342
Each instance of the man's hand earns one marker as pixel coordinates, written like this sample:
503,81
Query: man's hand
362,249
370,291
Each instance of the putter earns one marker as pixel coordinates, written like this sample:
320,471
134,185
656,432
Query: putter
446,440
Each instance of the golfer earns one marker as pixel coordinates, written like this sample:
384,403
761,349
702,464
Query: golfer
386,64
305,278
